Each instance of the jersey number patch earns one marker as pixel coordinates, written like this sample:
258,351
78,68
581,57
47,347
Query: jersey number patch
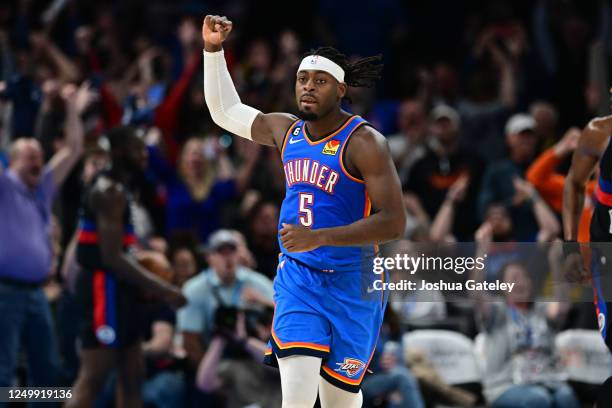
306,201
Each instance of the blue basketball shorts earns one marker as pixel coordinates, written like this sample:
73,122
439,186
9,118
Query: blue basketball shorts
325,315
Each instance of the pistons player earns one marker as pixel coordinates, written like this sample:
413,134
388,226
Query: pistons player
593,154
343,197
110,281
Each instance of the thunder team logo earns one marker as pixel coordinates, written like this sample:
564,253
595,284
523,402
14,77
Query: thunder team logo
351,366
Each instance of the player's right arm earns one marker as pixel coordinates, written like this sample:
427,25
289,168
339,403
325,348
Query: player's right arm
222,99
109,203
591,145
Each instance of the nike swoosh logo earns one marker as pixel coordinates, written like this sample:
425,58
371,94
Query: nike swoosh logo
371,290
292,141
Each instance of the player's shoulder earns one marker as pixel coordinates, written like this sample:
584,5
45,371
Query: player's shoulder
281,120
104,186
270,128
601,124
596,134
106,192
368,138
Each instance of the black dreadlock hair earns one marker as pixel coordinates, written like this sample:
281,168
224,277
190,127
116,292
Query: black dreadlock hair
360,73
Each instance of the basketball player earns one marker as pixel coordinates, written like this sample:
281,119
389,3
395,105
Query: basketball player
594,150
110,282
343,196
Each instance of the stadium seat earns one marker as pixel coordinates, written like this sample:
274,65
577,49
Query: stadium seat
452,356
584,355
586,360
451,353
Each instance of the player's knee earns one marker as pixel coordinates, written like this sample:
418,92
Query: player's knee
298,400
130,385
88,384
299,380
344,399
297,395
357,401
332,396
292,402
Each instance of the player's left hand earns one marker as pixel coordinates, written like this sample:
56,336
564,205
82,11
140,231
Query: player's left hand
297,238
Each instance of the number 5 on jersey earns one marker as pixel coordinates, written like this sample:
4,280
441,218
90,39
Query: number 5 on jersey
306,201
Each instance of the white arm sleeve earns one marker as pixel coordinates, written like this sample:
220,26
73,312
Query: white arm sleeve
222,99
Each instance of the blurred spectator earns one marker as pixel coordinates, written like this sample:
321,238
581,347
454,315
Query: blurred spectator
599,66
391,380
262,235
268,179
232,365
408,145
337,22
255,82
202,184
27,190
490,95
496,237
499,180
444,85
550,184
283,74
572,50
148,92
245,256
443,164
224,284
418,308
546,120
183,255
520,367
417,220
547,225
441,227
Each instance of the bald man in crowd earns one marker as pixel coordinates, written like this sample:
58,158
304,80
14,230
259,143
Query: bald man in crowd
27,190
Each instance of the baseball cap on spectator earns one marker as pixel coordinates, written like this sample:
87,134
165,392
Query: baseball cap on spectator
445,112
222,239
520,123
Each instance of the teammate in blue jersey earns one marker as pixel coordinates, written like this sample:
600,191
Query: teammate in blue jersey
343,197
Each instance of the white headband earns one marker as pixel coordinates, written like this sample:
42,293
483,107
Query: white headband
319,63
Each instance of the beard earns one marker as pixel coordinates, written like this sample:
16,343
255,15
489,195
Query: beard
308,116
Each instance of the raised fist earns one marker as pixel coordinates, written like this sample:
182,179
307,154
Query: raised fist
215,30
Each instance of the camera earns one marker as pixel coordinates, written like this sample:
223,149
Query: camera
225,319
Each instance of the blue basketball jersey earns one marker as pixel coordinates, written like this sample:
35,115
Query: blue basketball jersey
320,193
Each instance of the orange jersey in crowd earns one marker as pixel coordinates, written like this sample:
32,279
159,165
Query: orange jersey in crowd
550,186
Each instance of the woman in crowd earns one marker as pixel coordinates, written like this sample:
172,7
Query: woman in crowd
201,184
